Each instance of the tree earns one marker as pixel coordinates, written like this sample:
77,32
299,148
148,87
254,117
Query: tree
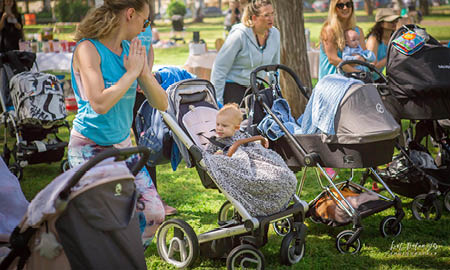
47,5
289,20
197,15
424,7
368,7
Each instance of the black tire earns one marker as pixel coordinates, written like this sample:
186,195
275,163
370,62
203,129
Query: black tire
342,243
16,170
65,165
282,227
6,155
240,254
386,228
426,212
183,242
447,200
292,249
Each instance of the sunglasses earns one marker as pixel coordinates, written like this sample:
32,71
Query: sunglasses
146,23
342,5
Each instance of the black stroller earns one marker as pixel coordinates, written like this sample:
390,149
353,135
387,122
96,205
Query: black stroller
351,147
417,89
191,118
84,219
33,111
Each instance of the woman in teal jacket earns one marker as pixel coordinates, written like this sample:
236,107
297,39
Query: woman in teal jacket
250,44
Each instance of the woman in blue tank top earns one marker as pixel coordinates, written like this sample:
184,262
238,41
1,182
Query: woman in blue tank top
379,36
341,17
107,64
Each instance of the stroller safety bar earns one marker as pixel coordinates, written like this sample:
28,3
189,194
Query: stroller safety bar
113,152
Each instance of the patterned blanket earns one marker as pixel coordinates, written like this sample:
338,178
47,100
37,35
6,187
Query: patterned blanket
255,176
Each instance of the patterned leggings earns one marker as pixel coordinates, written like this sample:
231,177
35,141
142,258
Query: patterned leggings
82,149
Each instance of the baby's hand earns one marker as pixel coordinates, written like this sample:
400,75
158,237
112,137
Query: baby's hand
219,152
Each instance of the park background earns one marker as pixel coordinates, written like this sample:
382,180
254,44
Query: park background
422,244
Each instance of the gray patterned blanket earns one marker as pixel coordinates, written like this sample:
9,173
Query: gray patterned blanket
255,176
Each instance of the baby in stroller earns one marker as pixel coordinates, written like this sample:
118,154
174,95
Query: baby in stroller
257,177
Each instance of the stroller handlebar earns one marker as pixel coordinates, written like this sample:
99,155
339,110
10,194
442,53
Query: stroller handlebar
112,152
267,68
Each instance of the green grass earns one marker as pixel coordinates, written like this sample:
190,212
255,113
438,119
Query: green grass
422,244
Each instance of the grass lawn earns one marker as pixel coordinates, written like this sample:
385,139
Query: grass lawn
421,245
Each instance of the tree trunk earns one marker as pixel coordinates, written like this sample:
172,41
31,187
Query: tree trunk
197,15
220,4
424,7
289,20
27,6
47,5
91,3
368,7
152,10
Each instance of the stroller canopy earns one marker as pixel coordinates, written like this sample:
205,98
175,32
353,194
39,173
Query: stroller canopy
362,118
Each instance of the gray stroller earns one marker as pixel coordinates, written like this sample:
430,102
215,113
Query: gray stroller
191,118
84,219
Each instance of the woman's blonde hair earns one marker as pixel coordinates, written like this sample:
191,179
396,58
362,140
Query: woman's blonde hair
337,27
253,8
100,22
232,109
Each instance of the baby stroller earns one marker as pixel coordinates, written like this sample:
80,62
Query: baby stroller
417,89
364,138
191,118
33,111
84,219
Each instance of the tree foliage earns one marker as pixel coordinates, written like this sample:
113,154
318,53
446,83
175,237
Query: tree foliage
176,7
71,11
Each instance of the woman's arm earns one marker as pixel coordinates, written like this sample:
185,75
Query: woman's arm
372,44
155,94
2,20
87,63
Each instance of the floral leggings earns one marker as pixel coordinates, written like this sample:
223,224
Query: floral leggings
82,149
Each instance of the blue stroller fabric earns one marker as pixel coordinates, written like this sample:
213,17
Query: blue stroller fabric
270,129
151,129
322,106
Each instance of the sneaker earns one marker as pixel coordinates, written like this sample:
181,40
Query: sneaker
375,187
169,210
331,172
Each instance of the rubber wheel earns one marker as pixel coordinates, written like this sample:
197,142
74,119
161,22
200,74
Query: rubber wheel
177,243
447,200
245,257
425,212
16,170
65,165
292,249
282,227
6,155
227,213
342,243
386,227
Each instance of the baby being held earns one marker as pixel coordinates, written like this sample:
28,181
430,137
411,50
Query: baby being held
353,49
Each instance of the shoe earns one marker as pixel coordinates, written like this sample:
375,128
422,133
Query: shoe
331,173
169,210
375,187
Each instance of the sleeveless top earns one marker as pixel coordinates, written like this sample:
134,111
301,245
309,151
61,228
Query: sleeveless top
325,67
114,126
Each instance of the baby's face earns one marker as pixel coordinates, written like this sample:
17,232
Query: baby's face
352,39
225,126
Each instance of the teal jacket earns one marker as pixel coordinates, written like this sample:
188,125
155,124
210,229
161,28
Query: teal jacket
240,55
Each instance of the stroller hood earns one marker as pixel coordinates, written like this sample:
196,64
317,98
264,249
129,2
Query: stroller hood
362,118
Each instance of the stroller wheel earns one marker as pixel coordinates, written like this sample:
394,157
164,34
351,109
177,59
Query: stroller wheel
292,249
227,213
65,165
426,208
245,257
447,200
282,227
6,155
16,170
386,228
177,243
343,245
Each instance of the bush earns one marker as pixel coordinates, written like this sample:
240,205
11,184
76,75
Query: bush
70,11
176,8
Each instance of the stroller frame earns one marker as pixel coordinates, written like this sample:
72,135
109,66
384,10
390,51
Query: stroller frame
346,240
244,233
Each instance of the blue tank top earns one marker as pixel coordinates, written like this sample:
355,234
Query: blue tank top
325,67
114,126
